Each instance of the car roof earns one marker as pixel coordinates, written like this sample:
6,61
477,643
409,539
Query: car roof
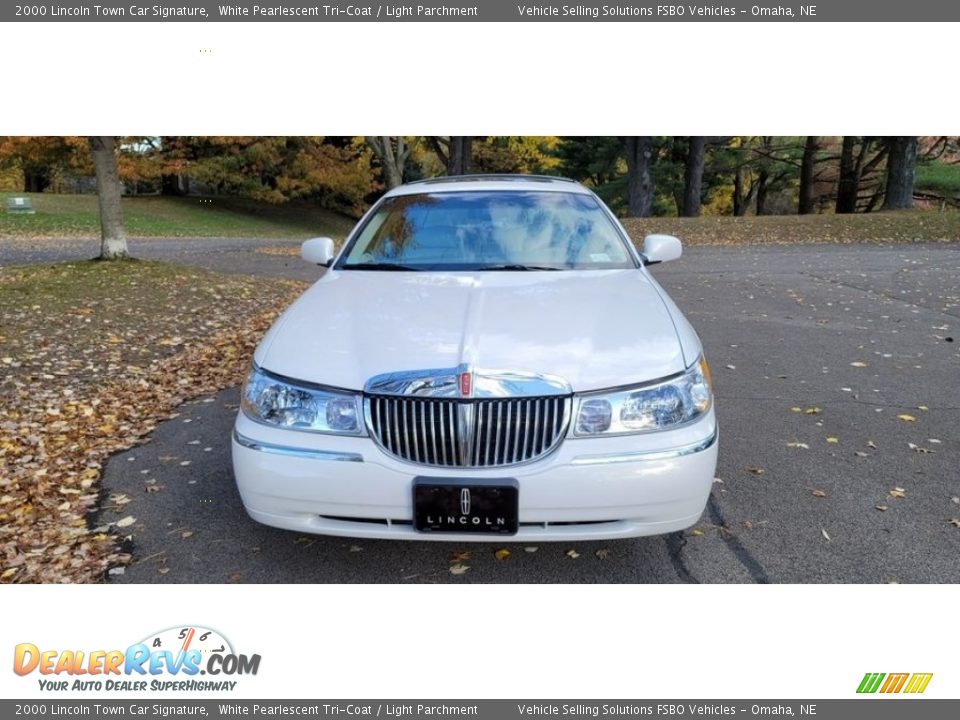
460,183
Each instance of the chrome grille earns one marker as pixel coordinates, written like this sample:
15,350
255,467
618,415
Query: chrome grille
444,432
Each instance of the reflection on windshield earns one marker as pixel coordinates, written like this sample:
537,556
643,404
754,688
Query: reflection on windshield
492,230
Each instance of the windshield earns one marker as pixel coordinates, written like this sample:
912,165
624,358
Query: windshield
489,230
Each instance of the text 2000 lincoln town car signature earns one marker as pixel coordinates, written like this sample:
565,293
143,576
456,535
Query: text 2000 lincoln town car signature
488,356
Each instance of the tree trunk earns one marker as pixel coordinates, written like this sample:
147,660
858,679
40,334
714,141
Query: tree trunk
460,160
113,238
848,186
901,166
392,160
170,185
35,181
807,172
762,177
693,176
639,176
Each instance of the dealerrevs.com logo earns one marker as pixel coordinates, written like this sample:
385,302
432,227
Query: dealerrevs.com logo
172,659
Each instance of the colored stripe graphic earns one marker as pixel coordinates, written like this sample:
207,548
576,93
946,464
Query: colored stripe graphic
894,682
918,682
870,682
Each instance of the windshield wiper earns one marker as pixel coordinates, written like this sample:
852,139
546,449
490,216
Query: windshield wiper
518,266
385,266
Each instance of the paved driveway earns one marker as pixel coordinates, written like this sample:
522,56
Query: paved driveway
852,336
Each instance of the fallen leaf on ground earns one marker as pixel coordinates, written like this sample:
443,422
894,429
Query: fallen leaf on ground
755,469
106,396
833,440
573,554
819,493
906,418
881,508
800,445
825,534
356,548
459,569
955,522
502,554
603,553
897,492
531,548
186,533
812,411
859,453
461,556
126,522
858,363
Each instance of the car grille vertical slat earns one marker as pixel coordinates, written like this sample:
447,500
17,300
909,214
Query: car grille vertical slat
505,431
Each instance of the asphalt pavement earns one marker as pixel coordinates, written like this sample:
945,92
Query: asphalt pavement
838,391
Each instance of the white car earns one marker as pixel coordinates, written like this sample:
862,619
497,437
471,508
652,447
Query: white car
486,357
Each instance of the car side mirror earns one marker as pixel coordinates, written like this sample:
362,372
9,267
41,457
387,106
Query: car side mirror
319,251
661,248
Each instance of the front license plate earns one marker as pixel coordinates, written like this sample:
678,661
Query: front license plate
485,507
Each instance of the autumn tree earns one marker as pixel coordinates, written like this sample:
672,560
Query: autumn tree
334,172
901,169
392,152
526,154
113,237
39,159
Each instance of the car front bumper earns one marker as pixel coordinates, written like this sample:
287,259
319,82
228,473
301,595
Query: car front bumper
587,489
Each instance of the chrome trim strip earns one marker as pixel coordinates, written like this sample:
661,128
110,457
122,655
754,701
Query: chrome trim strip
485,384
647,454
294,451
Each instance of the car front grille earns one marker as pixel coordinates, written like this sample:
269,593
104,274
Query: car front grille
444,432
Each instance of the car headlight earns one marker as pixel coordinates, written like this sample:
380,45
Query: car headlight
273,401
647,408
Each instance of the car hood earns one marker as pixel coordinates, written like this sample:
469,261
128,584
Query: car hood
594,329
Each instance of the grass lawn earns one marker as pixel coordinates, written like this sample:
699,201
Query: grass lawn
939,178
92,356
886,227
64,216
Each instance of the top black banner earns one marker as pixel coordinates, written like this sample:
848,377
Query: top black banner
488,11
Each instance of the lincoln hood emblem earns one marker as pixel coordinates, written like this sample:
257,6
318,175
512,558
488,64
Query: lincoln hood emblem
465,501
466,384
